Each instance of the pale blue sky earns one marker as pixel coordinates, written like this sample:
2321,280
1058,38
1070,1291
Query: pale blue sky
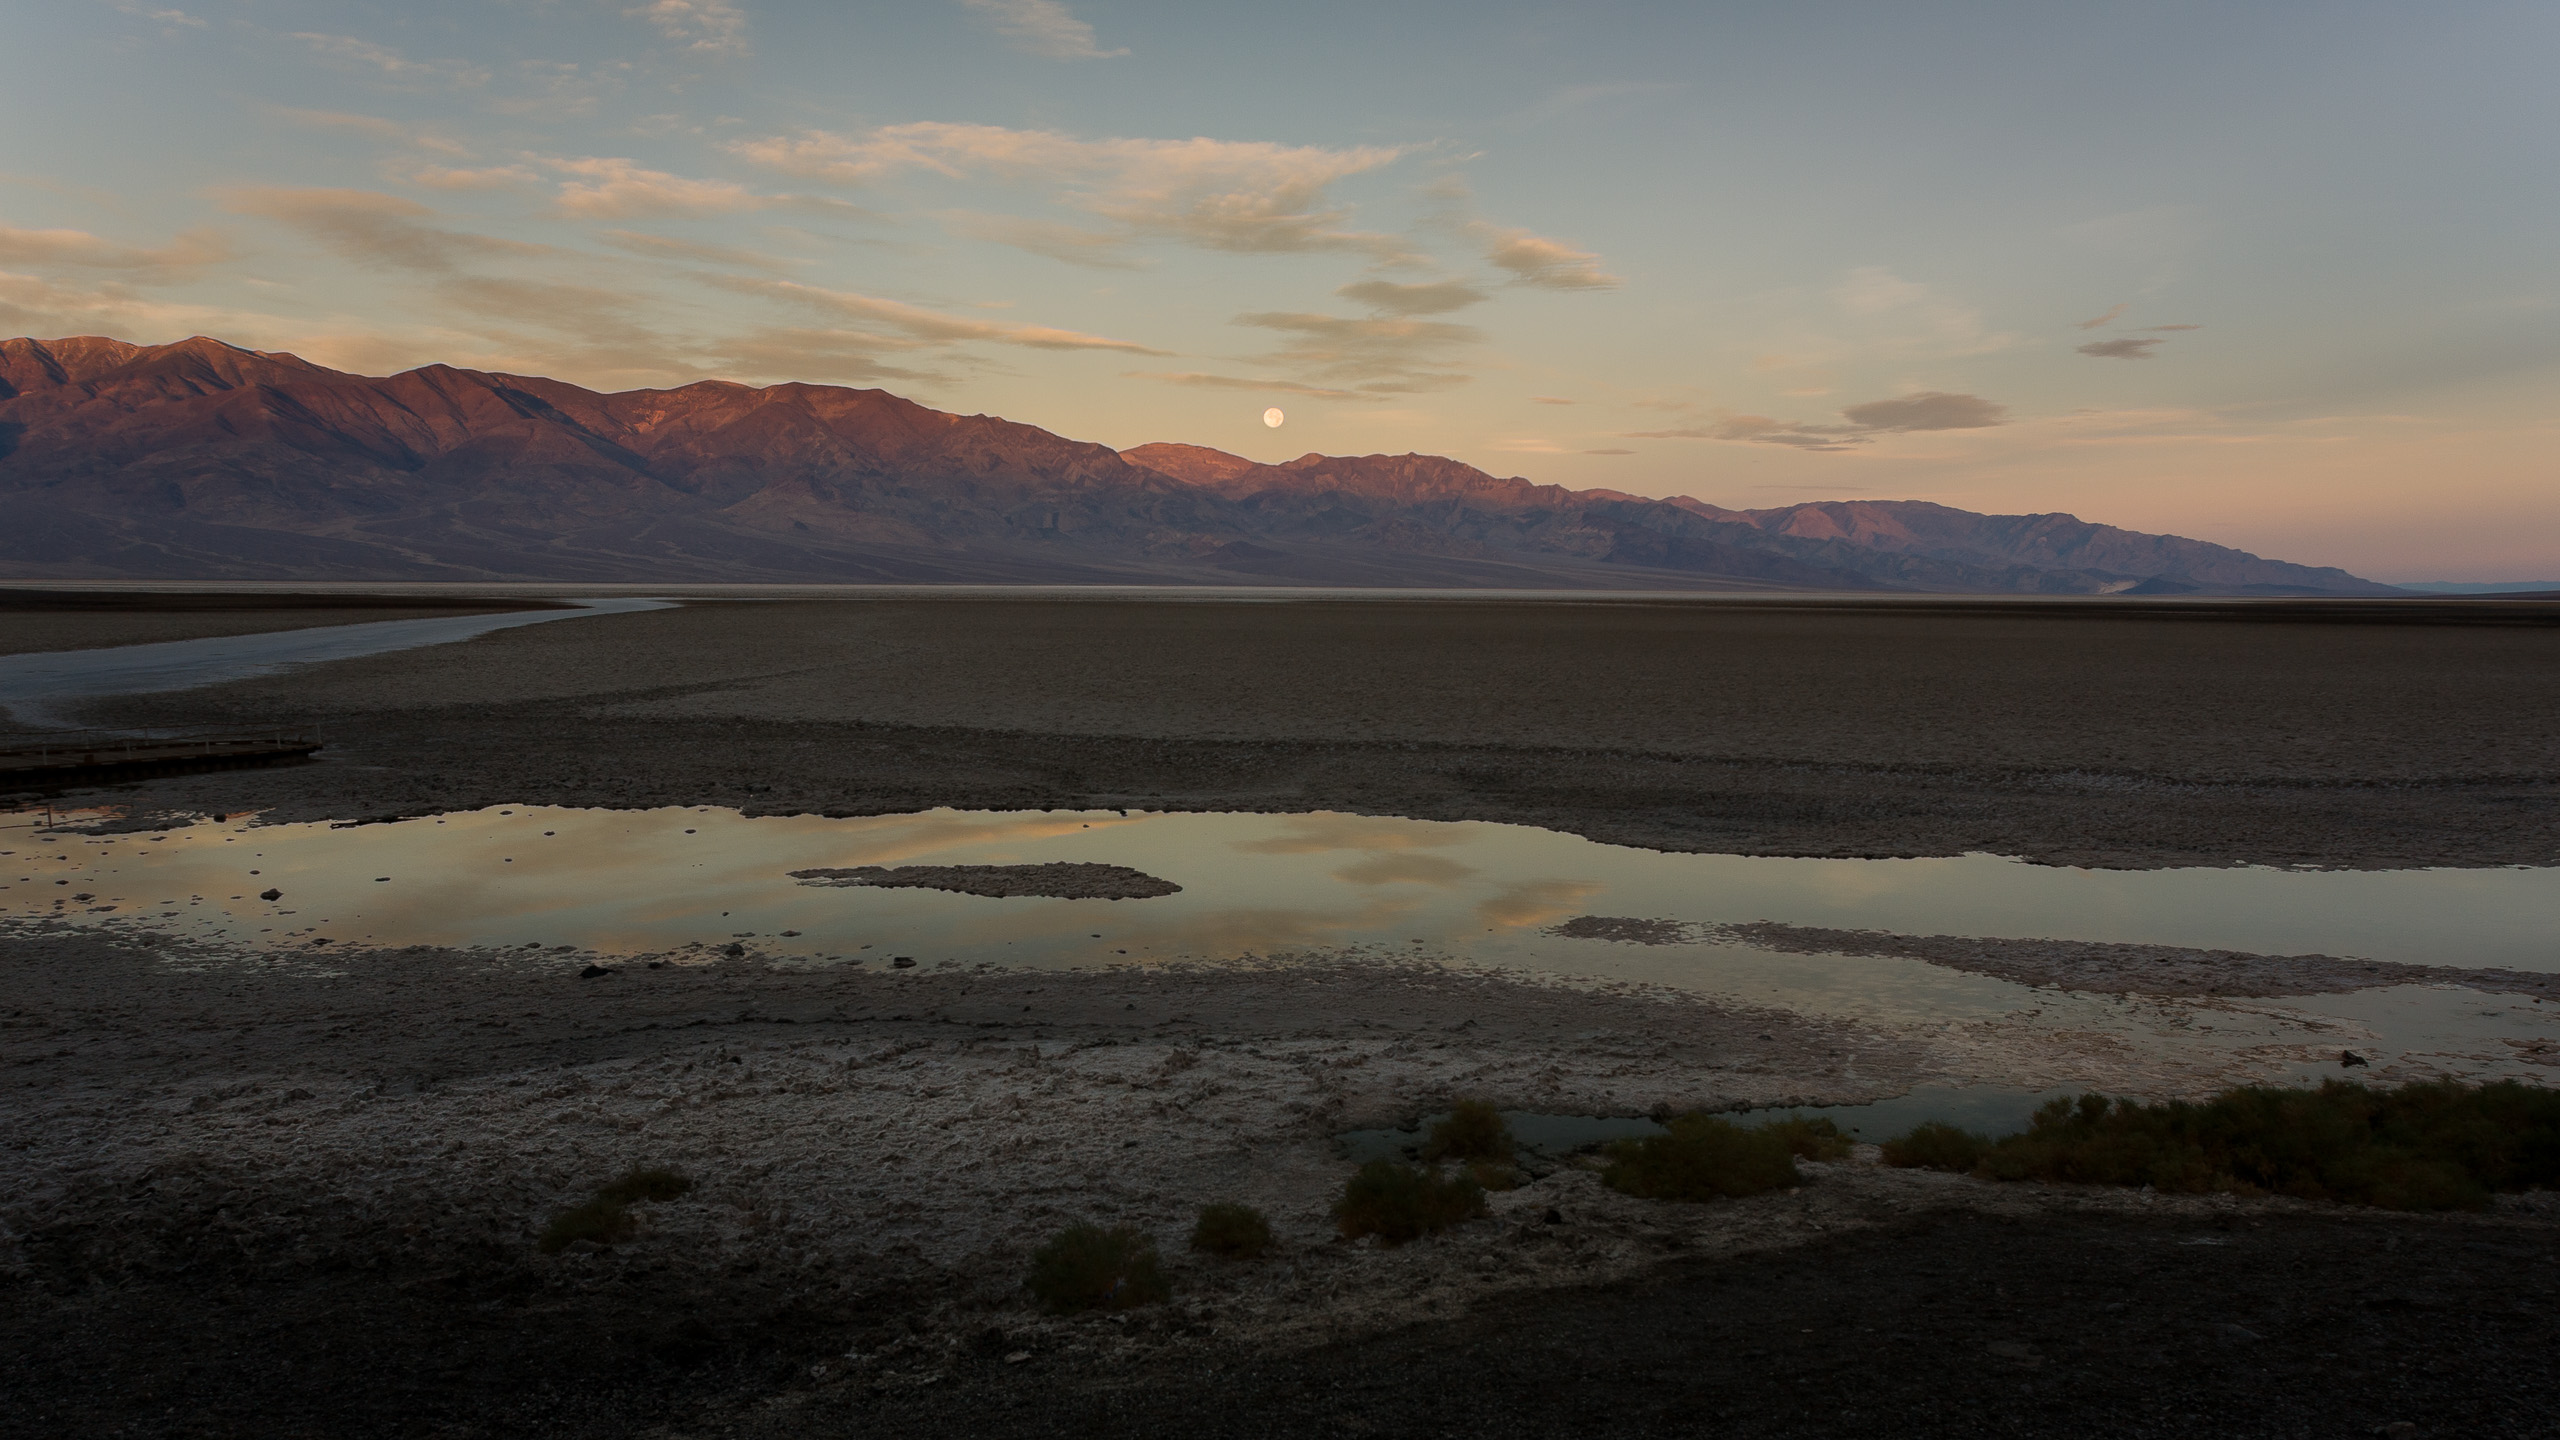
1759,253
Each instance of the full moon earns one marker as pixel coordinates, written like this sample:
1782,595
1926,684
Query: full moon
1272,417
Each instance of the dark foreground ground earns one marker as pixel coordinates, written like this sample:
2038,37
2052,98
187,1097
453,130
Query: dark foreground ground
1951,1325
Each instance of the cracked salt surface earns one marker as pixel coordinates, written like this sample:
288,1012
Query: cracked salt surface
680,883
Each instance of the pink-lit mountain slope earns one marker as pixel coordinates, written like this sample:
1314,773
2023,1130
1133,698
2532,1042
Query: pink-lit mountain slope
204,460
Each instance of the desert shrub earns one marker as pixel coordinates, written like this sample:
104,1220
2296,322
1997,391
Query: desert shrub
1936,1145
606,1217
1705,1157
2438,1145
1474,1130
1811,1137
601,1221
1086,1267
646,1182
1398,1202
1231,1231
1495,1174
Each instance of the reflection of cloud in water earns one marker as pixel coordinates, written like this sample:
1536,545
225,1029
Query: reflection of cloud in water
900,839
1311,834
1416,869
1217,934
1536,902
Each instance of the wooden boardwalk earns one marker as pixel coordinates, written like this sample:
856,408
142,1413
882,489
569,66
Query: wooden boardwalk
37,761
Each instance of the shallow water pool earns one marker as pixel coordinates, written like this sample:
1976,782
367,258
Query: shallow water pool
699,880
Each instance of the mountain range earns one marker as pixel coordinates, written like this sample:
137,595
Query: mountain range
203,460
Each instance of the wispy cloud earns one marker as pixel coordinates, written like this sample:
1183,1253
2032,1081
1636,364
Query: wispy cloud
1551,264
372,228
2122,349
1437,297
1385,356
36,305
1570,98
185,254
915,323
1923,411
172,23
1073,244
809,353
1239,382
464,177
2095,321
1907,315
714,27
1239,196
614,189
1531,259
348,52
1042,27
664,247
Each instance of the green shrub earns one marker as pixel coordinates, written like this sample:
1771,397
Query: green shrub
1232,1232
2438,1145
1398,1202
1936,1145
1704,1157
606,1218
1811,1137
1474,1130
1086,1267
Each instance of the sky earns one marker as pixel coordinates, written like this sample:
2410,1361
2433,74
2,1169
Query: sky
2281,276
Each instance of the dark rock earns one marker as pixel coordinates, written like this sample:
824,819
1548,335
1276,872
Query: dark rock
595,971
734,950
270,894
902,962
2348,1059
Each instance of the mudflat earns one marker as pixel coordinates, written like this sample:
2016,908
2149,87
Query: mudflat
297,1189
2361,734
33,619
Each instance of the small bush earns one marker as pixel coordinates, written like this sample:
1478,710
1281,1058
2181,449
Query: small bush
646,1182
1703,1158
1474,1130
1811,1138
1936,1145
1398,1202
1495,1175
1086,1267
2439,1145
1231,1232
601,1221
607,1218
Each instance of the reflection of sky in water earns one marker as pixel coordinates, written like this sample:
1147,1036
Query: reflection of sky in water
657,880
652,880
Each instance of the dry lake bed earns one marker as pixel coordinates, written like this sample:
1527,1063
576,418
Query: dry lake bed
805,894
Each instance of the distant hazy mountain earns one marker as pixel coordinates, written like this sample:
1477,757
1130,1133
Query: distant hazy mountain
201,460
2479,587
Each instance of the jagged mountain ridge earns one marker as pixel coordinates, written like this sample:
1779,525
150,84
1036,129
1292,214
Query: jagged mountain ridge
204,460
